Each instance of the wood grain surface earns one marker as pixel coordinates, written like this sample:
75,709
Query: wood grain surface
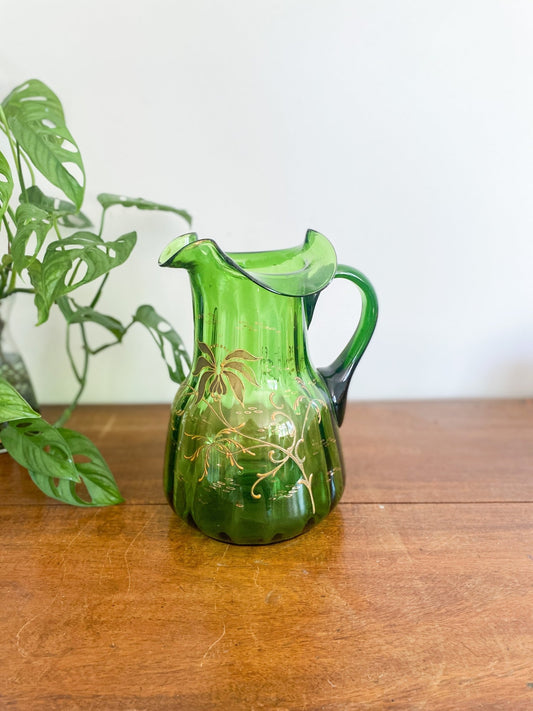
415,593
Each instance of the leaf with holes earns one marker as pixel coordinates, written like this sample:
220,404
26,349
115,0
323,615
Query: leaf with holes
169,343
32,222
6,184
76,220
12,404
85,314
38,446
36,119
72,262
67,213
100,486
107,200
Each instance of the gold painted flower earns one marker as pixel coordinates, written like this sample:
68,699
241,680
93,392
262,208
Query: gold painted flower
217,376
222,443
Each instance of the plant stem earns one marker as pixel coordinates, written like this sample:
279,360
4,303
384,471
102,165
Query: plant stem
21,175
12,282
3,118
71,357
28,166
18,290
14,151
8,230
73,275
100,231
56,229
105,346
81,378
96,298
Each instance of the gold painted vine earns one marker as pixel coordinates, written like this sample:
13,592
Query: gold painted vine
218,377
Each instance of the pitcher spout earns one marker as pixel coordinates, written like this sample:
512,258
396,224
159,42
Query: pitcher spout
173,254
301,271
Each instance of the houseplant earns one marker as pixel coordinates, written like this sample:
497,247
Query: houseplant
51,252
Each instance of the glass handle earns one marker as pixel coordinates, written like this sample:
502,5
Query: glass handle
338,375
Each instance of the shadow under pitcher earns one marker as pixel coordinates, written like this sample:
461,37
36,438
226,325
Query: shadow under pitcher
253,453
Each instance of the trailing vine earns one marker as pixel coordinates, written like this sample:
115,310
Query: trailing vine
50,251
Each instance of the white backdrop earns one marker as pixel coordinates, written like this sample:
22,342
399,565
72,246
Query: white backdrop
401,129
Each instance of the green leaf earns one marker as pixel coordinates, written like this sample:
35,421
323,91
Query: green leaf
93,471
30,220
6,184
38,446
169,343
108,200
72,262
76,220
86,314
36,119
12,404
67,212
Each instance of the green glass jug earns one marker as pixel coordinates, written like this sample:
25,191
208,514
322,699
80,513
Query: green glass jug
253,453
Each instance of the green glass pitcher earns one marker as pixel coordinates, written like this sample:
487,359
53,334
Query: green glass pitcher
253,453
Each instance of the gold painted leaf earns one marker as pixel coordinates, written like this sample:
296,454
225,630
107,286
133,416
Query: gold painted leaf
201,385
244,370
201,364
241,354
208,352
236,385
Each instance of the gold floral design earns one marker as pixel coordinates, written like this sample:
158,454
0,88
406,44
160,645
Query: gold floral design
217,376
280,455
221,442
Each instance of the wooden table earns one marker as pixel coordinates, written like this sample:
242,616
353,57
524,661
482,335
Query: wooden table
415,593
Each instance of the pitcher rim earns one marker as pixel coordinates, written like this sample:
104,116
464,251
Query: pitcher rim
313,276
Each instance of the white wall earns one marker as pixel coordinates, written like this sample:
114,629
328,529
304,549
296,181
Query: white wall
401,129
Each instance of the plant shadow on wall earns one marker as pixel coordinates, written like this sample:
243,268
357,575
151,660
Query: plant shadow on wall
50,250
